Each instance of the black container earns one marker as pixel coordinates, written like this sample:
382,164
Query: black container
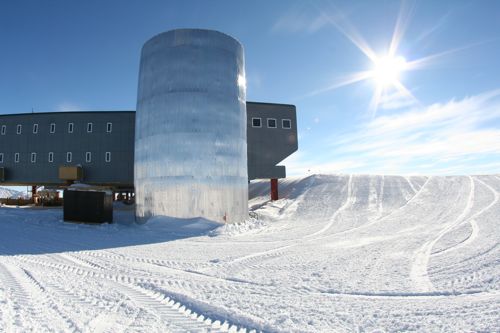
88,206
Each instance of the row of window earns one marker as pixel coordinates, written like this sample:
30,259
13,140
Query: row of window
69,157
272,123
52,128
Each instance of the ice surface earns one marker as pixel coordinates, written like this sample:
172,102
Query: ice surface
190,149
336,254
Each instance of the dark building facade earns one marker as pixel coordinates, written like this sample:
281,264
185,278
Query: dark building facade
34,145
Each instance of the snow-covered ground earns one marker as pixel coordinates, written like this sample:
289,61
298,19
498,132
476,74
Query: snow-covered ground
10,193
337,254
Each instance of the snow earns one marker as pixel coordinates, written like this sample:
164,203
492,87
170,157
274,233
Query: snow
9,193
338,253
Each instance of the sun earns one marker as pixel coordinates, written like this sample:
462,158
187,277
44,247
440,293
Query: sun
387,70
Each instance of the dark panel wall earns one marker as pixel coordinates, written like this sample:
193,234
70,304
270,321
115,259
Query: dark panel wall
266,146
269,146
119,142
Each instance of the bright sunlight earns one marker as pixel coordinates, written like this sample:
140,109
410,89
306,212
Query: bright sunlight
388,69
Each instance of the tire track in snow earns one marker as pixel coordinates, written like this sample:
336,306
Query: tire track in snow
473,223
306,238
222,283
11,288
180,316
131,279
415,295
75,259
328,225
34,300
45,298
127,283
419,269
91,303
411,185
381,198
172,264
233,282
173,319
379,219
349,201
369,223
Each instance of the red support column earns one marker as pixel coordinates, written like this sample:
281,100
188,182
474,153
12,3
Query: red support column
33,193
274,189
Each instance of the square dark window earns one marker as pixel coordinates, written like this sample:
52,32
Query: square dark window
271,123
286,123
256,122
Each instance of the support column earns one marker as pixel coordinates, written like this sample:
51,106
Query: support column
33,193
274,189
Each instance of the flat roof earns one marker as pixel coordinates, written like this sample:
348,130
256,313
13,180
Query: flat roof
62,112
121,111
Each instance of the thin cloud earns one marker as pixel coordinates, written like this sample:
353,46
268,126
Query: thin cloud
300,18
457,137
66,106
396,100
443,133
301,163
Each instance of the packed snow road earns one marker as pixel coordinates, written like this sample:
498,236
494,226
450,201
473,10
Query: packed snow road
337,254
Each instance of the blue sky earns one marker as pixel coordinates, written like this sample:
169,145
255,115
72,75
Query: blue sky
442,118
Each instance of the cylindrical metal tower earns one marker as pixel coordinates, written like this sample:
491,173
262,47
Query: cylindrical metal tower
190,132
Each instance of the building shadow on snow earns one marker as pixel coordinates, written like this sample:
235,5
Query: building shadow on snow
34,231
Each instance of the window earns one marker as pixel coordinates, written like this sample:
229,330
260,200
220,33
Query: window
88,157
16,157
4,129
286,123
51,157
109,127
89,127
70,127
1,157
69,156
33,157
256,122
19,129
35,128
271,123
52,128
108,156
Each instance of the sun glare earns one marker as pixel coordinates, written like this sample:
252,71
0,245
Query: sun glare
388,69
